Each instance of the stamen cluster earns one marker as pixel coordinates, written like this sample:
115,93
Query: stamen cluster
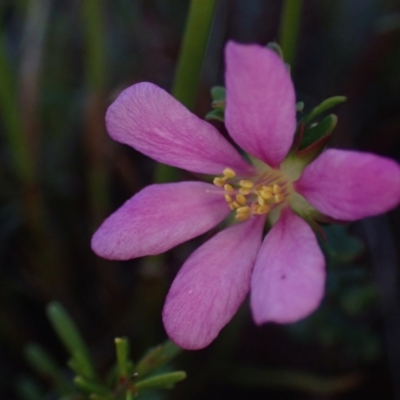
247,197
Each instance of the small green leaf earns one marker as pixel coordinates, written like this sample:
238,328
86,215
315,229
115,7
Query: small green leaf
157,357
89,387
71,338
316,132
276,48
164,381
216,115
122,349
218,93
299,106
324,106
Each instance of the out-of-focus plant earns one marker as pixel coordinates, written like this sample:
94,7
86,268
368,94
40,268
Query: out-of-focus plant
125,380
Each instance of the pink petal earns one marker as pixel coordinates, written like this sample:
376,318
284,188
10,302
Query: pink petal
158,218
260,110
211,285
289,276
150,120
349,185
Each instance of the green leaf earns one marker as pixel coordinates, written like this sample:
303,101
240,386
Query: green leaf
276,48
157,357
42,362
324,106
71,338
340,245
316,132
122,349
164,381
216,115
89,387
218,93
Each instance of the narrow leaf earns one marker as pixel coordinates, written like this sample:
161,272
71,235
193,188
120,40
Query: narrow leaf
324,106
166,381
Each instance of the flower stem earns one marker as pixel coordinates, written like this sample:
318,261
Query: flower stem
289,29
190,61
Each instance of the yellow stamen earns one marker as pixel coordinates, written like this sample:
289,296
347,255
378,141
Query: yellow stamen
219,182
263,209
240,199
276,189
228,198
235,204
242,216
244,209
246,184
278,198
231,206
261,200
229,173
244,191
229,188
266,194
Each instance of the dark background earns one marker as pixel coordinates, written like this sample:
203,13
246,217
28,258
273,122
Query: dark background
60,175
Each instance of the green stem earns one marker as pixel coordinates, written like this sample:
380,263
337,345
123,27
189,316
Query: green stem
289,29
190,61
95,76
21,156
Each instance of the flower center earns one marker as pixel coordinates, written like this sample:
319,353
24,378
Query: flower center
252,197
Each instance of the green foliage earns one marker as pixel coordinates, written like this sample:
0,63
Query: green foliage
125,380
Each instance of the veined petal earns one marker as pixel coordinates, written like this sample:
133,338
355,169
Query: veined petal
150,120
260,106
289,276
349,185
211,285
158,218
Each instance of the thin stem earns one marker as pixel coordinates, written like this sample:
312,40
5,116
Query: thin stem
190,61
289,29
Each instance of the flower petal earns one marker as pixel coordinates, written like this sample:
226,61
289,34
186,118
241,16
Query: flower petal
158,218
349,185
211,285
150,120
260,109
289,276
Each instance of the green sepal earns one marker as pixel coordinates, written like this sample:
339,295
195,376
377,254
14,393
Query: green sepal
274,46
157,357
316,132
218,95
324,106
217,115
311,215
300,106
164,381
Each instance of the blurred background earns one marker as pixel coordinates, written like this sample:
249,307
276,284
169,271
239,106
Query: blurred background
61,65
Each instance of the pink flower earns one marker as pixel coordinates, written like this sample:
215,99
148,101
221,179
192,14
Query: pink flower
286,271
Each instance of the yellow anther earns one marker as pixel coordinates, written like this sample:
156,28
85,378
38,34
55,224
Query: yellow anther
276,189
235,204
240,199
231,206
242,216
219,182
267,188
266,194
260,200
229,173
245,209
246,184
255,208
278,198
228,198
263,209
244,191
229,188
